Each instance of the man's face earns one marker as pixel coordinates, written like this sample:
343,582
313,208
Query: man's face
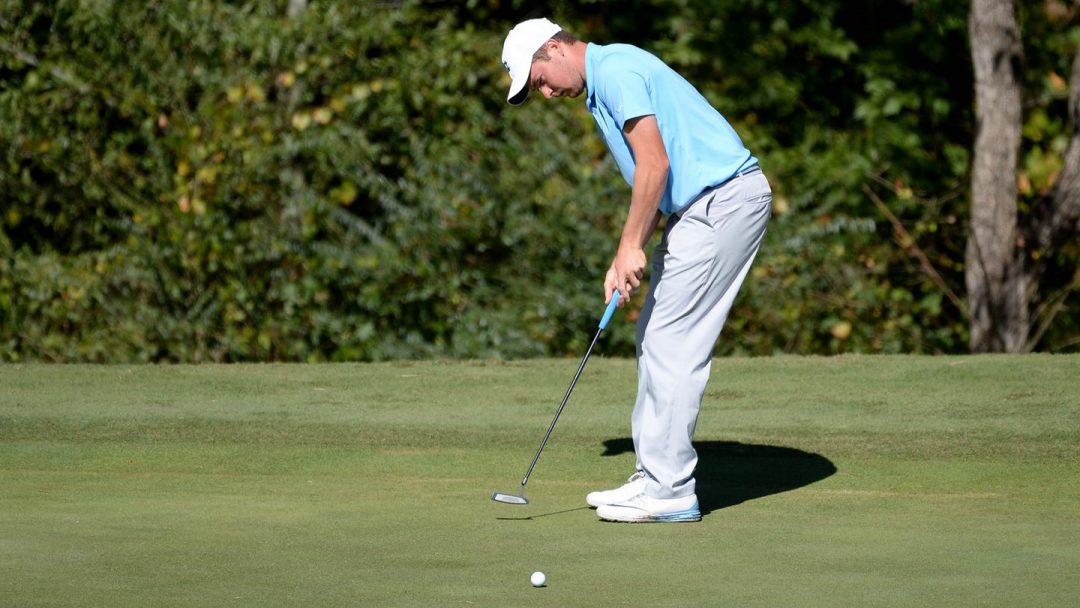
554,77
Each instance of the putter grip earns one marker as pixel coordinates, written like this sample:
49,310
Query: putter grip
610,309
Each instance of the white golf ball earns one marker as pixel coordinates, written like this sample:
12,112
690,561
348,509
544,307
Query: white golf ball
537,579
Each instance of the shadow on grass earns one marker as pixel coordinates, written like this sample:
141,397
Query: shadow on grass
730,473
532,517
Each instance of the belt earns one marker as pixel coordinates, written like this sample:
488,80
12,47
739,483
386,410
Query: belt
747,171
744,172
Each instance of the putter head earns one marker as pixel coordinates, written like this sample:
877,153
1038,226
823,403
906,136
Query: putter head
510,499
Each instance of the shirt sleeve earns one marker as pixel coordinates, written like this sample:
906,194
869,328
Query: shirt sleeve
624,90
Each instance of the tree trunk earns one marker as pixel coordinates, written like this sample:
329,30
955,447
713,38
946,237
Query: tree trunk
998,286
1056,218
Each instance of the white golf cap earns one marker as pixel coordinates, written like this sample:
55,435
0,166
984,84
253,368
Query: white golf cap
518,49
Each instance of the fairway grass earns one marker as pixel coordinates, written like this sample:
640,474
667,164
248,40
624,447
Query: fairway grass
847,481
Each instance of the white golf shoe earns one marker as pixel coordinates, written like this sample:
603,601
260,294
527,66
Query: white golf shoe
643,508
634,485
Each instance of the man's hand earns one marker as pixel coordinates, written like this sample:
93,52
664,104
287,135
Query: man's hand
625,273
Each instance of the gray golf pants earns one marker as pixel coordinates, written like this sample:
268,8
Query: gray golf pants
697,270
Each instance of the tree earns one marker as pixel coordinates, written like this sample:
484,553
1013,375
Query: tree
205,181
1007,252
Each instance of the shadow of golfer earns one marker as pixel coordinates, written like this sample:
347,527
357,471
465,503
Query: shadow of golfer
730,473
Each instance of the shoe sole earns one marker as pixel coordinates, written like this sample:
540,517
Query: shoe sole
689,515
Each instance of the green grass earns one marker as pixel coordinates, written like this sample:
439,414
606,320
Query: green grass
849,481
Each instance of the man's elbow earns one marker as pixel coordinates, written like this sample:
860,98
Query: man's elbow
656,166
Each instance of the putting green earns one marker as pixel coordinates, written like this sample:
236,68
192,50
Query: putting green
886,481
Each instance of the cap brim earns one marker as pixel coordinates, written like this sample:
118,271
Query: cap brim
519,89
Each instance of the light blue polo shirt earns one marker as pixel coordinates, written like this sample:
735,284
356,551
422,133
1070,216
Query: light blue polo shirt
703,150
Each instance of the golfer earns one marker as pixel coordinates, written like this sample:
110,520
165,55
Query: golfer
684,162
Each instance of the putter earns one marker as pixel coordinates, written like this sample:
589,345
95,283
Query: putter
519,498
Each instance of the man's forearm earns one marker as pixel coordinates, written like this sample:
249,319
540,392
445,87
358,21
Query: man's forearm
644,214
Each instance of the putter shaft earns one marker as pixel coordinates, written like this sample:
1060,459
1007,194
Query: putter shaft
562,406
520,498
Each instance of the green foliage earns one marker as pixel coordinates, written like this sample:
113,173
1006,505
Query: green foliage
205,181
234,185
1046,134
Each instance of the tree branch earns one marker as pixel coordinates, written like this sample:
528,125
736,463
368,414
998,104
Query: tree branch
913,250
56,72
61,75
1048,311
